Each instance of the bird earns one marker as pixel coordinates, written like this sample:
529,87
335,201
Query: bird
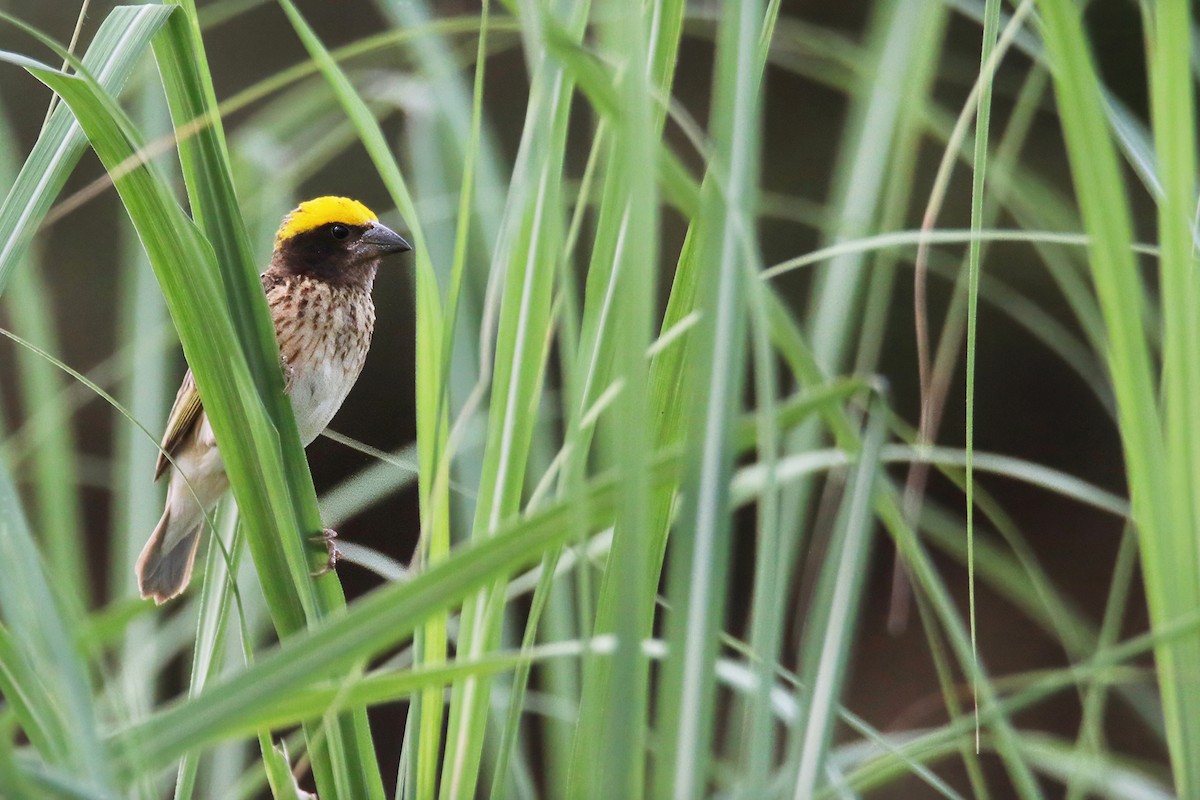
318,285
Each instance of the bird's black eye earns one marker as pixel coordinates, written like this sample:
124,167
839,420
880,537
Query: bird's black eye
339,231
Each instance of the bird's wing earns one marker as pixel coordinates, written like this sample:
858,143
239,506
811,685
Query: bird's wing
187,410
185,413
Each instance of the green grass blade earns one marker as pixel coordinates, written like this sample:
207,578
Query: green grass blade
1159,469
979,172
207,175
373,625
120,41
208,655
831,622
863,169
618,320
53,468
700,546
458,119
432,425
42,666
608,350
525,258
137,501
1173,584
186,269
216,212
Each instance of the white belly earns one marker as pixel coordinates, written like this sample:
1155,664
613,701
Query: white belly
318,391
323,350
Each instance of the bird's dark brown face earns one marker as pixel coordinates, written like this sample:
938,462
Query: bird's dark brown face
333,239
339,253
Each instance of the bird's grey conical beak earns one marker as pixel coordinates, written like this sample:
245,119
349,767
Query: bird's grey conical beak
384,240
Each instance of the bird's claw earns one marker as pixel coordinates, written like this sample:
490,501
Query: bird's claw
289,372
329,538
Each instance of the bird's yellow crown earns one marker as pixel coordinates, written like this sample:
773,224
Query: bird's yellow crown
314,213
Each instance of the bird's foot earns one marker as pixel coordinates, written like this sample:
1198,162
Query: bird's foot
329,538
289,371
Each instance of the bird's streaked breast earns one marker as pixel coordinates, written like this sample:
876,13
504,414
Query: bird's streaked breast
324,333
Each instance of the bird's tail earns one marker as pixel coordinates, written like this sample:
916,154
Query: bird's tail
165,565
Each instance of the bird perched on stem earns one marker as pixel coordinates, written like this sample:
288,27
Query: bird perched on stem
318,286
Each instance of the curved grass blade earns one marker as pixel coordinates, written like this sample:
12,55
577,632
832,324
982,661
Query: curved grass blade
185,265
119,42
374,624
343,754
